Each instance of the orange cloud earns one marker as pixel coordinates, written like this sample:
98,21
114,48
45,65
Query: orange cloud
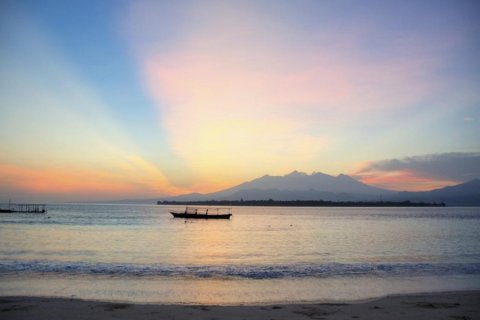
74,182
136,178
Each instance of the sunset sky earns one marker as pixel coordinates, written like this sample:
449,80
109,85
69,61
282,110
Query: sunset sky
137,99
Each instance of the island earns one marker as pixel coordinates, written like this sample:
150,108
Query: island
302,203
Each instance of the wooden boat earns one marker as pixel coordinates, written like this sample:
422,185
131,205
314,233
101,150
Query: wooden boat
203,213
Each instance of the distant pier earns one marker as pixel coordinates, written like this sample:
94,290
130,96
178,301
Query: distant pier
23,208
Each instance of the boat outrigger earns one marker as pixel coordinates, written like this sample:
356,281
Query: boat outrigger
203,213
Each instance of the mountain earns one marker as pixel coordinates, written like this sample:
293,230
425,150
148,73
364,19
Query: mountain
316,181
295,186
319,186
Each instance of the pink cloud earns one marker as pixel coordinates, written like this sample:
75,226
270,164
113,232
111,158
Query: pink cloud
235,65
423,172
402,181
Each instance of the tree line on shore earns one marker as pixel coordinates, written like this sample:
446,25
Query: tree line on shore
303,203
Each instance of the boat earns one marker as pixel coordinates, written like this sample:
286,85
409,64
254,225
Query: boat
202,213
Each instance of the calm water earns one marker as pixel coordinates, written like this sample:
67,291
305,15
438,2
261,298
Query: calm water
263,255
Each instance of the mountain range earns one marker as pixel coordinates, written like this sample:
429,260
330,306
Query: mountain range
319,186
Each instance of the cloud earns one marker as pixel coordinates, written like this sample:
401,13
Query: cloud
422,172
129,176
242,90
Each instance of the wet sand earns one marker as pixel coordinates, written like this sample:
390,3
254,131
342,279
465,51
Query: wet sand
456,305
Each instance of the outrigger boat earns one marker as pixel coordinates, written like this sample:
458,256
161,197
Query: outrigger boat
202,213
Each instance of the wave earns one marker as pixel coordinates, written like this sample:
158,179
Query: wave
236,271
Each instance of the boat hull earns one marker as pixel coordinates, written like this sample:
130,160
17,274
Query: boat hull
199,215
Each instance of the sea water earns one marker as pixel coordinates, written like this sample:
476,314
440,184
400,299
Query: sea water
140,253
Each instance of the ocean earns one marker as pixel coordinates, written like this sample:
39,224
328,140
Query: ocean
263,255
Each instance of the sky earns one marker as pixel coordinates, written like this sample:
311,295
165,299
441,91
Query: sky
140,99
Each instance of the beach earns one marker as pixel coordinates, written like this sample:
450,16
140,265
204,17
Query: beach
139,254
137,262
452,305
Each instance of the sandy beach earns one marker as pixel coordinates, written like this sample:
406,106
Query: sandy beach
458,305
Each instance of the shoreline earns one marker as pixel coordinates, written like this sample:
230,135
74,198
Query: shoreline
444,305
302,203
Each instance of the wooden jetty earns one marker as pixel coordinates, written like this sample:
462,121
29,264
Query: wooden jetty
23,208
